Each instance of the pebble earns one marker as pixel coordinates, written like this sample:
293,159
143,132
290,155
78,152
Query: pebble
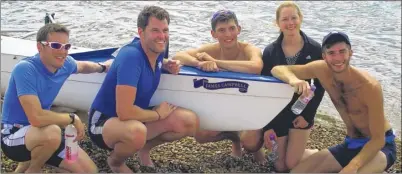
188,156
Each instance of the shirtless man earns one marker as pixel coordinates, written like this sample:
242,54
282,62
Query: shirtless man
369,146
232,55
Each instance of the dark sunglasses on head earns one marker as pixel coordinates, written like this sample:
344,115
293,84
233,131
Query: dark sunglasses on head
56,45
221,12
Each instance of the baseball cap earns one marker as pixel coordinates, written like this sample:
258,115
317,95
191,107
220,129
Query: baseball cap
335,36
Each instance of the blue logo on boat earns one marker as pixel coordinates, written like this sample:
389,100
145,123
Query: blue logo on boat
220,85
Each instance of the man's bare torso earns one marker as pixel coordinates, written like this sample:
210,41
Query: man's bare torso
350,99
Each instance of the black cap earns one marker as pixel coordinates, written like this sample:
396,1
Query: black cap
335,36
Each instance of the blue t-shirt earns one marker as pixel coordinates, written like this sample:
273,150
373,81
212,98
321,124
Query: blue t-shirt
30,77
131,67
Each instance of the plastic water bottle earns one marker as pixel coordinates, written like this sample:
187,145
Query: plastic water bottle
71,151
273,156
302,102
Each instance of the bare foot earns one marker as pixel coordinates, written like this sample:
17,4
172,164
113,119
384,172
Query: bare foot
144,158
22,167
236,150
259,157
118,169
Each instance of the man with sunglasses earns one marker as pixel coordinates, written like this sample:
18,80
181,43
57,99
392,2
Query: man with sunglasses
31,133
120,118
232,55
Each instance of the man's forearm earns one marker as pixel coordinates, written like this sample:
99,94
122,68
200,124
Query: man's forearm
283,73
139,114
47,117
239,66
368,152
186,59
90,67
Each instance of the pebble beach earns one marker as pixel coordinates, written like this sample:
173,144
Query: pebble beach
188,156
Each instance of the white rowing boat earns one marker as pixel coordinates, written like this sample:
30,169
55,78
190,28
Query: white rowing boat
224,101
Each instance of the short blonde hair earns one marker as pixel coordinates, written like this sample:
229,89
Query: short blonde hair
287,4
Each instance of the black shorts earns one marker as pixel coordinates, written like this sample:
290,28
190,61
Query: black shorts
13,145
284,122
344,155
95,126
96,122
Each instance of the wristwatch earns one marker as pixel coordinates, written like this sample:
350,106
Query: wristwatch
72,116
103,67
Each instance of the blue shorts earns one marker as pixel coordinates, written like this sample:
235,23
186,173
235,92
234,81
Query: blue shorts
344,155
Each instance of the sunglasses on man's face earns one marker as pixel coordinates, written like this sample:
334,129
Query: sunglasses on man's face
56,45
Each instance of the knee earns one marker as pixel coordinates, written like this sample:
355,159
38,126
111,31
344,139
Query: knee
188,120
137,134
251,146
91,169
52,136
291,163
201,137
251,142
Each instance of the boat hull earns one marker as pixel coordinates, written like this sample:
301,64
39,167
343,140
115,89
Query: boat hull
223,103
225,109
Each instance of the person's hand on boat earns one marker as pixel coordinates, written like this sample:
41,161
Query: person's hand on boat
209,66
203,56
267,141
80,128
173,66
300,122
165,109
300,86
108,63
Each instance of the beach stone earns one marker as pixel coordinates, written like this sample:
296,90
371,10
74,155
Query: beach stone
188,156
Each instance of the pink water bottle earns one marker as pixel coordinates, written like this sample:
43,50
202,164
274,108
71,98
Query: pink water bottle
71,146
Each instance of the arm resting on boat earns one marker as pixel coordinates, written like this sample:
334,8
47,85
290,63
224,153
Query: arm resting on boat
252,64
126,110
288,73
86,67
376,118
243,66
39,117
187,58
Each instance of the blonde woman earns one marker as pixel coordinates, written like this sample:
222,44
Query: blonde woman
292,47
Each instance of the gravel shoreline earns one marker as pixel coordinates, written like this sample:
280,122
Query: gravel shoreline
187,156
